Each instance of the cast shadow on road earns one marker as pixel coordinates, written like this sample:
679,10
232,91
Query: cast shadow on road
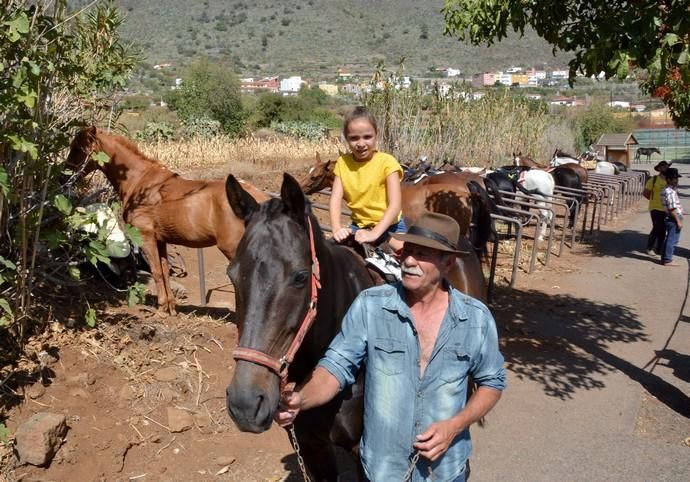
562,342
629,244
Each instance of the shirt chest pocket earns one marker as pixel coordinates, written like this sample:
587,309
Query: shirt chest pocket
389,356
455,364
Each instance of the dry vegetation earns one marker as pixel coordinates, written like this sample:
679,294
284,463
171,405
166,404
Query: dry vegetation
249,158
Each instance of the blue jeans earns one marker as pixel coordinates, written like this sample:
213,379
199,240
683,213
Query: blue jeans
672,236
399,227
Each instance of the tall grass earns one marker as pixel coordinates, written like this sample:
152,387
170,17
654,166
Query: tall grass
248,157
451,127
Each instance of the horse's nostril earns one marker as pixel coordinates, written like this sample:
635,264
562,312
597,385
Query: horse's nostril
259,405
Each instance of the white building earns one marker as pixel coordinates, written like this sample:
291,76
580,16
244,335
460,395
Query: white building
535,78
505,78
291,85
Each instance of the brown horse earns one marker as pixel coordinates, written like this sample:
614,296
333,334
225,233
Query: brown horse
523,160
165,207
454,199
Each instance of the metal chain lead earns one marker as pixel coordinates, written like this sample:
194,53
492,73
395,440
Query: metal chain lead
410,469
300,460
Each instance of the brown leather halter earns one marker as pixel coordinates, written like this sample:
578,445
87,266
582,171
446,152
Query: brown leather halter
280,366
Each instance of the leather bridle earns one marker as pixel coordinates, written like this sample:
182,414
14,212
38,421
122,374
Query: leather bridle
280,366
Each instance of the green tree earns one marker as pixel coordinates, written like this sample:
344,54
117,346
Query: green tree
597,119
210,90
55,72
609,37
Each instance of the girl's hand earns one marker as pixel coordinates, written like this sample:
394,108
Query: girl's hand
365,236
341,234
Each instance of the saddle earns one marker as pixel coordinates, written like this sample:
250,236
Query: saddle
380,261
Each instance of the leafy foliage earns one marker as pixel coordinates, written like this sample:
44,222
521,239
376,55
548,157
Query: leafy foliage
210,90
156,131
205,128
311,105
605,37
595,120
454,127
56,72
304,130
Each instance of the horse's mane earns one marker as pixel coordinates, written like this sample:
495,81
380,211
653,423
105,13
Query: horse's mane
131,146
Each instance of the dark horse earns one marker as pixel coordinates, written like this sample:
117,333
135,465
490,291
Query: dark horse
271,272
646,151
564,176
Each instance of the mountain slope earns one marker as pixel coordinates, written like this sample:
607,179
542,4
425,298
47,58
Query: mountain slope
316,36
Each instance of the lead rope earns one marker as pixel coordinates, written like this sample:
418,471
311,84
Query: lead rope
300,460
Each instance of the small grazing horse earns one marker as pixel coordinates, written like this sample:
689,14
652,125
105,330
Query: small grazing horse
282,270
646,151
165,207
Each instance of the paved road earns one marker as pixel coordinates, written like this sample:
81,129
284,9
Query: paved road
588,398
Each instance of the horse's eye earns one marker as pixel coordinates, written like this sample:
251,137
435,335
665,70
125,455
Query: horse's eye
299,279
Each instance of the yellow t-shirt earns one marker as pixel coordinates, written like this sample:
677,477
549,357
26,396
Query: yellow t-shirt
656,188
364,186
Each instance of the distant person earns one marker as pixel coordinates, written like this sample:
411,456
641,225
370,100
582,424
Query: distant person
652,191
674,215
420,340
369,181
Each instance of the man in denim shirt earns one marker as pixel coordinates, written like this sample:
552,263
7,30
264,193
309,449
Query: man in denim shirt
420,341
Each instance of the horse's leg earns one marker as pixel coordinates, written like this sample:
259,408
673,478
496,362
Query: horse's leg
165,268
150,247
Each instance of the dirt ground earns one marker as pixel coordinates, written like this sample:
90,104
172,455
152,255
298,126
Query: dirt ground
118,384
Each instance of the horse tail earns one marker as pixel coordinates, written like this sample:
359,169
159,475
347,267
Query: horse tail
492,188
481,216
525,191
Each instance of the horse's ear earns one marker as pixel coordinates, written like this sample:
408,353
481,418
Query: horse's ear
318,157
241,202
293,198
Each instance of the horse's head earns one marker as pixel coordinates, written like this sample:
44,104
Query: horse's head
84,144
320,176
271,272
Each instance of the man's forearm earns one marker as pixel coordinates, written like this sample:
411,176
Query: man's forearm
319,389
480,403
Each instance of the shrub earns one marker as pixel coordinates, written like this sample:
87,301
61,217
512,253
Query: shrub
303,130
156,131
206,128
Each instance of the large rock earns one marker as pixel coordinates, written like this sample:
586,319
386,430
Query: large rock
40,437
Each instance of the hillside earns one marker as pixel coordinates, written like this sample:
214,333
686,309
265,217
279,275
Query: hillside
315,37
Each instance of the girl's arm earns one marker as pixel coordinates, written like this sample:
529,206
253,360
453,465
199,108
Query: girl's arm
390,215
334,207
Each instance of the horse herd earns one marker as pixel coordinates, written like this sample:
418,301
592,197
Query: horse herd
292,286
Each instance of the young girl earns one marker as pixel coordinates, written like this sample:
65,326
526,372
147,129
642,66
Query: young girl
369,181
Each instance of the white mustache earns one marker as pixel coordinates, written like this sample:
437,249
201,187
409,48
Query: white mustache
411,270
